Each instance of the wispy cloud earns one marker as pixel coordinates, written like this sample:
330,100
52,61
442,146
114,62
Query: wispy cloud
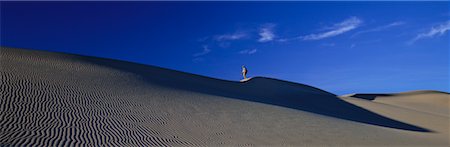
437,30
337,29
248,51
205,51
380,28
233,36
197,60
266,33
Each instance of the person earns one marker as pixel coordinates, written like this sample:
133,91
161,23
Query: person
244,72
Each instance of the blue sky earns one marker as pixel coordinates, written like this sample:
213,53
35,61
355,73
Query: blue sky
341,47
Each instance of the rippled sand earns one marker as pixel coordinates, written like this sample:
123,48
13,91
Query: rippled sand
53,99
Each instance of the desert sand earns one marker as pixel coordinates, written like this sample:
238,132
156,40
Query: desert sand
53,99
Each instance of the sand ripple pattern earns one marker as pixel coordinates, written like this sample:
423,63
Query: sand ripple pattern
52,99
46,102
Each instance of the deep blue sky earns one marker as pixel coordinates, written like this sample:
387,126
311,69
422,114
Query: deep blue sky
341,47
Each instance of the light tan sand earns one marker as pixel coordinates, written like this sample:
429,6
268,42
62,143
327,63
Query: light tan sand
428,109
427,101
435,102
52,99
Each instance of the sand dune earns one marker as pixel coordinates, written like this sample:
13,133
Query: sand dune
428,109
434,102
51,99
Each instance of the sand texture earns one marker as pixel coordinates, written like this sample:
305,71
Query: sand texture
55,99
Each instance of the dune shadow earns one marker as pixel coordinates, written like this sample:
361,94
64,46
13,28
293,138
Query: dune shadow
369,96
262,90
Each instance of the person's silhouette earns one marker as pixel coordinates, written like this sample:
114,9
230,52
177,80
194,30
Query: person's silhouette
244,72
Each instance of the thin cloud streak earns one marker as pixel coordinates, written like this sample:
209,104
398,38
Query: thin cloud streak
248,51
234,36
437,30
380,28
336,29
205,51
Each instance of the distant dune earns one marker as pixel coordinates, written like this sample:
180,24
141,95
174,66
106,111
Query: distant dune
435,102
53,99
425,108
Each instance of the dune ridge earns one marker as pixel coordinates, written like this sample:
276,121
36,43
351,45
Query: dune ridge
425,108
53,99
429,101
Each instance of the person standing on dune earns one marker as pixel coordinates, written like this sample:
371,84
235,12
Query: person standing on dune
244,72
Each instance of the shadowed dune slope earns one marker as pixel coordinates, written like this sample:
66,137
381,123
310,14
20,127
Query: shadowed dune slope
50,99
259,89
372,96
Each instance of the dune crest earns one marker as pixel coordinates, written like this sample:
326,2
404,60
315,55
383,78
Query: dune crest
55,99
425,108
433,102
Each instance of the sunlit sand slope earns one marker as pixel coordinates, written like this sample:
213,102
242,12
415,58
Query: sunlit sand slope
52,99
428,109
